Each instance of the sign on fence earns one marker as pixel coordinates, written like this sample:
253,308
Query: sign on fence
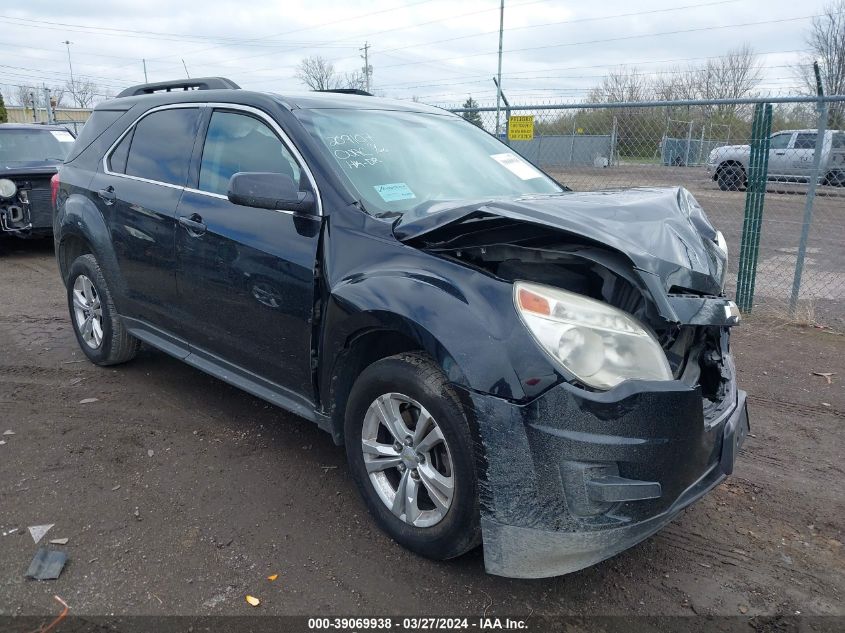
521,128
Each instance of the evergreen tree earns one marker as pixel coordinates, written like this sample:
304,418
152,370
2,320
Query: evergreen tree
4,116
472,117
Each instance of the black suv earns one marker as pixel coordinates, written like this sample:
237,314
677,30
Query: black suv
506,361
30,155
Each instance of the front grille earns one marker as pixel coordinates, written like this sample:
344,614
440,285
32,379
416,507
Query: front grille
40,207
37,193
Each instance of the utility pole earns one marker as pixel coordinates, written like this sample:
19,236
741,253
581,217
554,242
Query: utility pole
34,106
144,61
367,68
51,116
507,111
499,74
67,43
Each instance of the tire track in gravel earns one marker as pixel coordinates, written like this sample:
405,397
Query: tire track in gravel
709,550
808,410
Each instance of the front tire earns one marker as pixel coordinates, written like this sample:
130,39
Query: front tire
99,331
730,178
411,455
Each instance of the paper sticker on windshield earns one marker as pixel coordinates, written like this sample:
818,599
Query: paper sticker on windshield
62,136
516,165
394,191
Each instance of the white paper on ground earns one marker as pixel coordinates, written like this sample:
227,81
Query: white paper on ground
38,531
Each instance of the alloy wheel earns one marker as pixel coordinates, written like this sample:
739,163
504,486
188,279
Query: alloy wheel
408,460
88,312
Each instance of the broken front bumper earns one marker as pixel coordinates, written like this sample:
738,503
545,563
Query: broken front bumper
575,477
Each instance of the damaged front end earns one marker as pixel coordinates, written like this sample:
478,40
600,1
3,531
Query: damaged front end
25,203
581,472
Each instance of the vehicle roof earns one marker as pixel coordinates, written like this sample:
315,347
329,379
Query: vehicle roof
31,126
289,100
810,130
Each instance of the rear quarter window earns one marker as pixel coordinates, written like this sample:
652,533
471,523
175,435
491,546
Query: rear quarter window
97,123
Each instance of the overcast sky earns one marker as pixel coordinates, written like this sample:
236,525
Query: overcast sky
437,50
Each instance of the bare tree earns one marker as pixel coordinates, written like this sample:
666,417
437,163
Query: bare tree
620,84
83,92
826,39
58,94
318,74
731,76
355,80
23,95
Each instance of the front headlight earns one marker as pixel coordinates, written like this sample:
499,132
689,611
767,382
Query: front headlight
600,345
722,243
7,188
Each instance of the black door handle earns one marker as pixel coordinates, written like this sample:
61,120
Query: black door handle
107,195
780,153
193,224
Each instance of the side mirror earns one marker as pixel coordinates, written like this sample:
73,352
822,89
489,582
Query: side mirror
266,190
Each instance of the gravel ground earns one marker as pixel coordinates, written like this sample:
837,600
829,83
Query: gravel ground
180,494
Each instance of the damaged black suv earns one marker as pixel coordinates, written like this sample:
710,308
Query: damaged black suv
506,361
30,155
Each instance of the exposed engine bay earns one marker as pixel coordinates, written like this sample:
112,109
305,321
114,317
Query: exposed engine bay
513,250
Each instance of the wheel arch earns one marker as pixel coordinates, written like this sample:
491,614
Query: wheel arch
381,336
71,246
81,229
731,162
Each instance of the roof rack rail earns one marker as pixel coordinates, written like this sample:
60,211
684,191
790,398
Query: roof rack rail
348,91
200,83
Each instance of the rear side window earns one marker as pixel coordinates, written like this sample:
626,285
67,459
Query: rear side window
161,145
805,141
839,140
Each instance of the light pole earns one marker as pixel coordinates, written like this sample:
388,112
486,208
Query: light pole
67,43
499,74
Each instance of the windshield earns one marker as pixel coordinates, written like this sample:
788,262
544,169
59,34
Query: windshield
34,146
398,161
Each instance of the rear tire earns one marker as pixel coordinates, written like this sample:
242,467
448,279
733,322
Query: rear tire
405,430
99,331
835,179
730,178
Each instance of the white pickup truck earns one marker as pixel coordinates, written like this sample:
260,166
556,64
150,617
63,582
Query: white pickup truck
791,155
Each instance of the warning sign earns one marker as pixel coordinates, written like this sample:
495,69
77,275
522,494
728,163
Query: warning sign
521,128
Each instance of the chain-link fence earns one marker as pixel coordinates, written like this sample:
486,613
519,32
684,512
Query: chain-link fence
775,186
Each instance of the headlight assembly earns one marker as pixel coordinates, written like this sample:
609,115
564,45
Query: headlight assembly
601,345
7,188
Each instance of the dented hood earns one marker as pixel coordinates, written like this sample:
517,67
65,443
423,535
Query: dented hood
663,231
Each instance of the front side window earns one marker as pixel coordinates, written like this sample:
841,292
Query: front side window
805,141
161,145
239,142
401,161
780,141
